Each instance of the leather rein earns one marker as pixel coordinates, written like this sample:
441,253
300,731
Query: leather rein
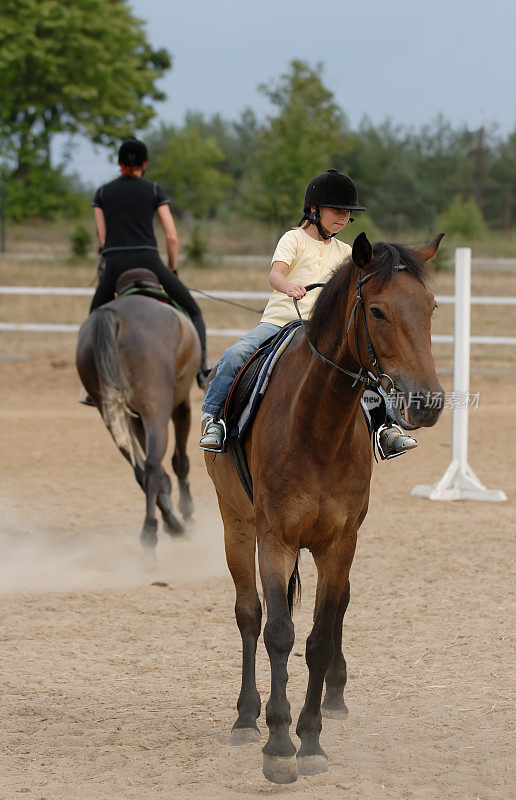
364,375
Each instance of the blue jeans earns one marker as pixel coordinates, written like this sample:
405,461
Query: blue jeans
230,364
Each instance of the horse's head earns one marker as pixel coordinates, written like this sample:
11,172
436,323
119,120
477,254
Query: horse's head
397,312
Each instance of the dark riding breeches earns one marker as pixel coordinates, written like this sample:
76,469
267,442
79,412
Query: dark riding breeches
122,260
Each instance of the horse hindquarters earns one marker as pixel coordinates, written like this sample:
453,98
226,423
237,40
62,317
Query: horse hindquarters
118,418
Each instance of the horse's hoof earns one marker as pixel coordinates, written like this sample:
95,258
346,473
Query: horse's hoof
186,505
312,765
149,536
172,525
188,513
187,509
335,713
280,769
244,736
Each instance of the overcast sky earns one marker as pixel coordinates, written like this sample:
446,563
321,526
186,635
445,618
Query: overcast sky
407,59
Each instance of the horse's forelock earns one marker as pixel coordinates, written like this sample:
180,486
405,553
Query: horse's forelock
387,256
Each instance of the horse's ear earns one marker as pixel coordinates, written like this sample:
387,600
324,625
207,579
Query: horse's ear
362,253
429,250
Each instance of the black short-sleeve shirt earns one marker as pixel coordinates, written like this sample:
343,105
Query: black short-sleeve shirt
129,205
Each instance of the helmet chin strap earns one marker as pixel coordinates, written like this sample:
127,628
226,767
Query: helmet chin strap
315,219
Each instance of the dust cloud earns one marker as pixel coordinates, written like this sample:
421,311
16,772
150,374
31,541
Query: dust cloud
35,558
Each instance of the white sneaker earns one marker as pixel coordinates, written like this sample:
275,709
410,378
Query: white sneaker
214,434
392,441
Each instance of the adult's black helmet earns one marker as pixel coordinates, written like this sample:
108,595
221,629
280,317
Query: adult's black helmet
333,189
133,153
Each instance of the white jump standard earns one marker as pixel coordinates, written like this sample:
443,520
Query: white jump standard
459,482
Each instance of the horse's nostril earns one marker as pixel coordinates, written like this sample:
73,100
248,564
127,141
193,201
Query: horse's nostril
424,406
438,400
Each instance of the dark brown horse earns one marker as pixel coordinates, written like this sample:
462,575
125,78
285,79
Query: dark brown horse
137,358
310,458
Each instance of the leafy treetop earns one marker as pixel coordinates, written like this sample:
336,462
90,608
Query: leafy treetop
76,66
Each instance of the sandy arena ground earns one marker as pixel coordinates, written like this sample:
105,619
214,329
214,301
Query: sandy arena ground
117,689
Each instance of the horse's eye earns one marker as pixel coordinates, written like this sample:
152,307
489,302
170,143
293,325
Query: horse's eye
376,313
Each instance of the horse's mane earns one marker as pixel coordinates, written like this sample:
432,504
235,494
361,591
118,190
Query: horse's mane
387,256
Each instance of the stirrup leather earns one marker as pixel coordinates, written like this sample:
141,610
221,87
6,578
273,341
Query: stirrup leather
384,454
220,424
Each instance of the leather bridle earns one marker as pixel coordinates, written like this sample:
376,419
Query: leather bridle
364,375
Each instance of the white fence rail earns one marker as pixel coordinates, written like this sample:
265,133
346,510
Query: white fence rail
29,327
226,294
68,291
34,327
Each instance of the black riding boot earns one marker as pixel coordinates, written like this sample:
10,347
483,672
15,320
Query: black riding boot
204,371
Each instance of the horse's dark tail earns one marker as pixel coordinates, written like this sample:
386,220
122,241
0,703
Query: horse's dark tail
294,587
113,387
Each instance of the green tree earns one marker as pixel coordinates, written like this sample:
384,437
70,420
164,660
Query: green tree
45,193
382,164
76,66
307,132
406,177
187,163
446,163
462,219
500,210
236,141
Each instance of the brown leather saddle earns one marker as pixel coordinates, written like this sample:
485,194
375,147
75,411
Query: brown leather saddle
141,281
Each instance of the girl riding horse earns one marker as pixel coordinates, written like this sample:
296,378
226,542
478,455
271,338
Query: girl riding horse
308,254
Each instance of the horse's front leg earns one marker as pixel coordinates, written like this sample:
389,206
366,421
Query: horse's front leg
276,567
333,705
320,645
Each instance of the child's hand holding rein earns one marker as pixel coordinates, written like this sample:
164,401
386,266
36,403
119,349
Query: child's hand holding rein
296,290
279,281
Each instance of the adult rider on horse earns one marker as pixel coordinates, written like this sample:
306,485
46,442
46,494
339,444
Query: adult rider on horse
124,211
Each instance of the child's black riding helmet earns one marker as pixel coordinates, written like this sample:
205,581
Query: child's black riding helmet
333,189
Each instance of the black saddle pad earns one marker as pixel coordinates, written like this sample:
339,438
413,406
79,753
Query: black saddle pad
243,385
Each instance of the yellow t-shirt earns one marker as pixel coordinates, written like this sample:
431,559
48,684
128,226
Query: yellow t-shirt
310,261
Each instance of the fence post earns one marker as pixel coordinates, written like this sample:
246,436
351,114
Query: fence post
459,482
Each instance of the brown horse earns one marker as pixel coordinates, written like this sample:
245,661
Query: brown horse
137,358
310,458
